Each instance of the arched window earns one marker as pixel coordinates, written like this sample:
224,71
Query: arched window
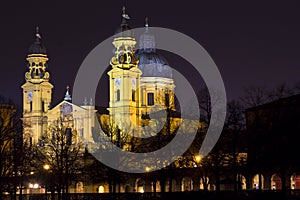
101,189
133,95
150,97
295,181
118,95
256,181
79,187
276,183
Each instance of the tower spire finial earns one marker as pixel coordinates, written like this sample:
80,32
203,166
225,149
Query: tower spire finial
146,22
124,15
37,34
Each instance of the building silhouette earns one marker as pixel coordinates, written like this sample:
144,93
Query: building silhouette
272,144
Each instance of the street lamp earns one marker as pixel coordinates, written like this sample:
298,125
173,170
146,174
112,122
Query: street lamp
147,182
46,167
147,169
198,159
203,178
33,185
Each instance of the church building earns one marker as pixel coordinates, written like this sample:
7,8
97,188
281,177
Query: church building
140,82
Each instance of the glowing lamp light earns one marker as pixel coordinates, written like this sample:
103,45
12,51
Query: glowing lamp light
198,158
46,167
33,186
148,169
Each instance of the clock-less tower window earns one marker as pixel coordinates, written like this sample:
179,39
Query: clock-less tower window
118,95
133,95
150,98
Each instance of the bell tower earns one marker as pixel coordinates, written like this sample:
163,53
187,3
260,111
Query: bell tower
124,77
37,91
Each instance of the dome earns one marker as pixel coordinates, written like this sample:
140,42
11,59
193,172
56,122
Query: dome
37,47
153,57
151,63
123,27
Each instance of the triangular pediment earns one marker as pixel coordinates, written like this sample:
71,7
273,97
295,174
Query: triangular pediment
65,106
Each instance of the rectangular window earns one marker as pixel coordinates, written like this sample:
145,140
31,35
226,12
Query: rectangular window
133,95
118,95
81,133
68,136
53,137
30,141
150,97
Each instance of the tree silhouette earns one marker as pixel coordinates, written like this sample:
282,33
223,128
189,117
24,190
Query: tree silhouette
9,136
63,152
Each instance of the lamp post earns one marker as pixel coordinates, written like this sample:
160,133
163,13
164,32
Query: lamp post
147,181
46,167
198,159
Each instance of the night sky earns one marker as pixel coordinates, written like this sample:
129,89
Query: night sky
251,43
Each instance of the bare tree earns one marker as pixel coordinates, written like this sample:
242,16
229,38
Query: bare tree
281,91
9,122
258,95
296,87
235,127
254,96
64,155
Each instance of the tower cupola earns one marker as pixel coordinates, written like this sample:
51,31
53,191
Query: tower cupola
124,44
37,61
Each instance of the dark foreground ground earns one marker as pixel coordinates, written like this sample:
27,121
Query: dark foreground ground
200,195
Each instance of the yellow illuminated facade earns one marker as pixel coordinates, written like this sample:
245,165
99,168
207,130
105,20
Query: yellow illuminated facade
37,98
124,81
37,91
140,80
140,83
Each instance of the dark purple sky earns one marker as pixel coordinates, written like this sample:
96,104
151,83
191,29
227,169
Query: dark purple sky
251,43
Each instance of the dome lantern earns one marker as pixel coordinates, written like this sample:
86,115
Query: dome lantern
151,62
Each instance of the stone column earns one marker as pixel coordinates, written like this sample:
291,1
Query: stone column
267,181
